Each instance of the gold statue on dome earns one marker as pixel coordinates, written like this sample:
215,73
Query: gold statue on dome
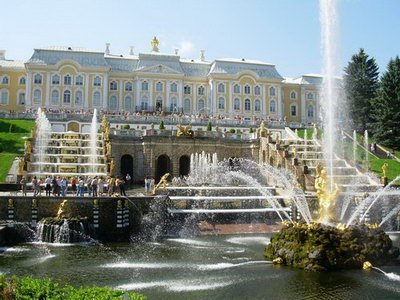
385,167
154,43
326,199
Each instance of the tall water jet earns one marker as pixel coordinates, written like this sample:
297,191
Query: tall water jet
43,130
93,143
366,149
329,93
354,147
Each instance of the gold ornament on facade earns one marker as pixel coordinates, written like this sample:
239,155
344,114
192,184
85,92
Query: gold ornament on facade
154,44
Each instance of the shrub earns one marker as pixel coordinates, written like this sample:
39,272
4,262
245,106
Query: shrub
232,130
251,130
127,126
161,126
209,126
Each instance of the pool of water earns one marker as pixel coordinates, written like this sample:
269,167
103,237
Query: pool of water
212,267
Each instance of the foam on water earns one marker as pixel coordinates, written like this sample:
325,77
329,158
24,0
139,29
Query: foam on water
13,249
249,240
221,266
191,242
143,265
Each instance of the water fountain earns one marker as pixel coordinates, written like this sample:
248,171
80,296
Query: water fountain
43,130
93,143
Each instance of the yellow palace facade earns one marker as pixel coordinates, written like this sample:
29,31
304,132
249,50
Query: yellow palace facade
78,79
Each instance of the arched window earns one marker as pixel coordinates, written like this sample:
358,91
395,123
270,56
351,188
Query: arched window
22,81
257,105
78,98
200,104
174,88
113,86
186,105
200,90
310,96
236,89
79,80
272,91
159,104
187,90
173,104
145,86
221,88
113,105
247,105
272,106
236,105
55,79
97,81
37,96
257,90
310,111
55,97
159,87
21,98
96,99
221,103
144,103
37,79
67,97
293,95
67,79
128,86
5,80
293,110
128,103
247,89
4,97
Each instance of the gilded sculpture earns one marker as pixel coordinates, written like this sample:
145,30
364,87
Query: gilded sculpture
326,198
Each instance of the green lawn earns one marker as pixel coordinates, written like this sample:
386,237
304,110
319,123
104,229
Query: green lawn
12,142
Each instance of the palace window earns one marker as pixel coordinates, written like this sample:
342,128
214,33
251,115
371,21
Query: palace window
186,106
257,90
247,89
37,96
128,86
78,98
55,79
5,80
310,96
200,105
221,88
257,105
22,81
221,103
97,81
79,80
247,105
272,91
145,86
174,88
67,80
113,104
113,86
67,97
293,110
4,97
310,111
55,97
293,95
128,103
96,99
173,105
186,90
236,89
159,87
21,98
37,79
200,90
159,104
236,105
272,106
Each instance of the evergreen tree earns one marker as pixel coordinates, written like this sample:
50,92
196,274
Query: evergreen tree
361,82
386,107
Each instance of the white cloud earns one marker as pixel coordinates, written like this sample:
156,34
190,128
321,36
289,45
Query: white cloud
186,49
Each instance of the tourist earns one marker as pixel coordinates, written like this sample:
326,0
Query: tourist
47,188
73,186
100,186
93,184
89,185
58,186
54,184
64,186
111,186
39,187
152,184
121,186
34,186
128,180
23,185
147,185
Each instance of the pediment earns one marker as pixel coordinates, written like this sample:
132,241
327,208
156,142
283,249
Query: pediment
159,69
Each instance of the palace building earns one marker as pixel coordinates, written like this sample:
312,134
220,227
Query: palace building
78,79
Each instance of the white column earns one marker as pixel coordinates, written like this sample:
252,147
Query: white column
28,91
303,104
137,93
105,92
48,79
85,103
121,89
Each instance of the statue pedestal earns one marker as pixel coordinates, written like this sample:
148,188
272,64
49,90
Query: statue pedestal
384,181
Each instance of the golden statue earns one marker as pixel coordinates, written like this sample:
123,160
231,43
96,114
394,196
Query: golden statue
188,130
180,131
262,129
154,43
20,165
163,181
96,203
112,167
108,149
107,133
61,210
27,147
34,203
104,122
385,167
326,199
10,203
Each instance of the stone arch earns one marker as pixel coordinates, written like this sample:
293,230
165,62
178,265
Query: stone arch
126,165
73,126
184,165
163,165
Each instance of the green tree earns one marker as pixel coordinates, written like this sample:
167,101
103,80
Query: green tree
386,112
209,126
361,82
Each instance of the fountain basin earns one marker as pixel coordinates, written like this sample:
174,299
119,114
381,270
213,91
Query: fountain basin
319,247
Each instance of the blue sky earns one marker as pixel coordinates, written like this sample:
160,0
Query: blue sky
282,32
